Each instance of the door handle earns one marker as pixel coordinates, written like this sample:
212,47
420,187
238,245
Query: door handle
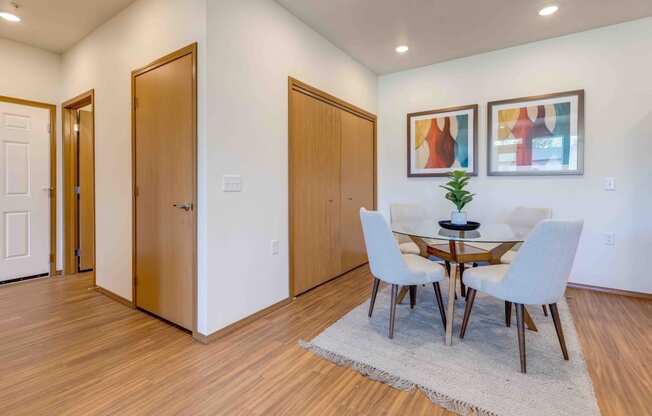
186,206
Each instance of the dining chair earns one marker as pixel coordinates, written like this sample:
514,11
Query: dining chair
408,212
524,218
520,218
538,276
388,264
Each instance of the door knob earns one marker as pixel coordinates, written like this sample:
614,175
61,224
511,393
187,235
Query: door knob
187,206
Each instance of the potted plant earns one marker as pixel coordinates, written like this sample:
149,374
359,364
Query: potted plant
458,179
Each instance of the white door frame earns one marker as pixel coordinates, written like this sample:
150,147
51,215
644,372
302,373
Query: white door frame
53,171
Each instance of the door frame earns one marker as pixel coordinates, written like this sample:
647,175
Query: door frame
69,152
192,51
52,108
301,87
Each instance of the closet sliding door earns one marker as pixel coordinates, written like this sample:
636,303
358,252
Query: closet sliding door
315,185
357,185
332,174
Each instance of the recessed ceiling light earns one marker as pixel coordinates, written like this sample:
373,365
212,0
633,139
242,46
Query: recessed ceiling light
10,17
402,49
548,10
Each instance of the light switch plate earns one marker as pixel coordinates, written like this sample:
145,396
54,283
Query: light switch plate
609,239
232,183
275,247
609,184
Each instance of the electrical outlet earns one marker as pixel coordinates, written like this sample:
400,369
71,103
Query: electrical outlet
609,239
609,184
275,247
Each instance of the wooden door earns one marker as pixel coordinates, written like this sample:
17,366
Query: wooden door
24,191
86,228
315,195
357,178
164,141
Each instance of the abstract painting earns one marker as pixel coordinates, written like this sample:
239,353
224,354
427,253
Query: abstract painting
542,135
440,141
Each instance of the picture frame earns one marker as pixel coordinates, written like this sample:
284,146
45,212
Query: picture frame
540,135
443,140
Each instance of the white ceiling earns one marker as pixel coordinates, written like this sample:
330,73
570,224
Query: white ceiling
439,30
56,25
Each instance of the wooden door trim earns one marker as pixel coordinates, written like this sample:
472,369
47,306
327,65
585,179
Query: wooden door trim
298,86
52,108
69,149
192,51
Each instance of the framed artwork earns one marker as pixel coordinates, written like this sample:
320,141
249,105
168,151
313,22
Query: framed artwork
440,141
541,135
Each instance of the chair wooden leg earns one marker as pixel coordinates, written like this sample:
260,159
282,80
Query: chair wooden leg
560,332
392,311
413,296
470,297
545,310
374,292
508,314
520,323
440,303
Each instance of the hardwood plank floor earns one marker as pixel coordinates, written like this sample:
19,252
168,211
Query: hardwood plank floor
67,350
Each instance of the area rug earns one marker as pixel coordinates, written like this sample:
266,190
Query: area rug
478,375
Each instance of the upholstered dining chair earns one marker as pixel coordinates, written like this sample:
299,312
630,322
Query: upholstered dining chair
521,218
538,276
409,212
388,264
524,218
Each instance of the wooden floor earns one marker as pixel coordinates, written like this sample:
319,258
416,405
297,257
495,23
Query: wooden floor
68,350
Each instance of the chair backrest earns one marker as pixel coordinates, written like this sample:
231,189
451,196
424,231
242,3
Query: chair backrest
540,271
385,259
409,212
528,218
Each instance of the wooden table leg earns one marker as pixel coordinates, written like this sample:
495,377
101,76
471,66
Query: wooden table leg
529,322
402,294
450,313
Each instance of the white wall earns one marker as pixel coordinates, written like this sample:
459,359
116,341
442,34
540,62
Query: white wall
145,31
253,46
613,66
29,73
34,74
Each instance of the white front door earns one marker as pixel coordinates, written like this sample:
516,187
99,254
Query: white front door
24,191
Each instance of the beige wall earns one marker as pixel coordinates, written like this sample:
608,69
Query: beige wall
613,66
145,31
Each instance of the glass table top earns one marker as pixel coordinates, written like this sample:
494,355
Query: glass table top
487,233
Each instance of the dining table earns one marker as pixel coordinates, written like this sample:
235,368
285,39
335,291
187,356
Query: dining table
458,248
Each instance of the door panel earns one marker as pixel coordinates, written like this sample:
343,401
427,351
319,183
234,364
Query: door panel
164,146
17,165
315,164
17,234
357,186
87,192
24,195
